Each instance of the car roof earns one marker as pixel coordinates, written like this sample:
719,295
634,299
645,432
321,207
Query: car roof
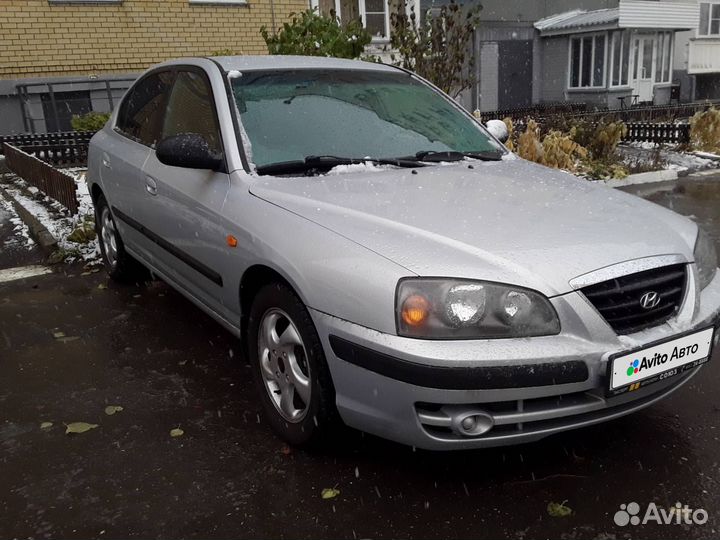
284,62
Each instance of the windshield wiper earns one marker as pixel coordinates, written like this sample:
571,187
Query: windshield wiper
433,156
314,164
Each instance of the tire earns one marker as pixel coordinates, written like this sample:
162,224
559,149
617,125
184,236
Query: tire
119,265
309,415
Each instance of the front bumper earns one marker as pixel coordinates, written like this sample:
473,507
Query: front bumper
417,392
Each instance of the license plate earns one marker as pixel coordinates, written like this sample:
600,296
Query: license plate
633,370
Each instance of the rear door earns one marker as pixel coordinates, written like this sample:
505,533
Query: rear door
188,202
137,130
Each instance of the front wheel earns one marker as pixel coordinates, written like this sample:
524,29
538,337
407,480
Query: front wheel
289,367
118,263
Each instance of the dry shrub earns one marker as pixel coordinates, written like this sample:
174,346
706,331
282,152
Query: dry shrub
561,152
510,144
605,141
529,145
555,150
600,138
705,130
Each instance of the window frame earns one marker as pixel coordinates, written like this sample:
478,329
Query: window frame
660,56
579,38
363,17
219,2
624,53
174,69
706,32
51,2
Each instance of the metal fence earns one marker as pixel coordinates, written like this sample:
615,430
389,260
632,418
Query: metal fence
652,113
659,133
51,106
536,111
54,183
67,148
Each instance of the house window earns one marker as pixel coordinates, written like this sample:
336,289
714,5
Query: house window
620,58
663,68
376,18
709,19
587,61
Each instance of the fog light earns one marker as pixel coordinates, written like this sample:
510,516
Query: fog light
470,423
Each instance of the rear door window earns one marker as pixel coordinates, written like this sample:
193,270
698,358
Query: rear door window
141,115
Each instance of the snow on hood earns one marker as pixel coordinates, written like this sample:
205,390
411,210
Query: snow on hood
509,221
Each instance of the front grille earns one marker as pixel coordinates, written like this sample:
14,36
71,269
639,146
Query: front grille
618,300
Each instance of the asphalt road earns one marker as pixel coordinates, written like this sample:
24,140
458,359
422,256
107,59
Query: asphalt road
168,365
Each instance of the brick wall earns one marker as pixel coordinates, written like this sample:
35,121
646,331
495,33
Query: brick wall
42,38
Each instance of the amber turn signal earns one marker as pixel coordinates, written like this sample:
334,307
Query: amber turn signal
415,310
231,241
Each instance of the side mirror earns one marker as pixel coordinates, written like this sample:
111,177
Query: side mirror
188,150
498,129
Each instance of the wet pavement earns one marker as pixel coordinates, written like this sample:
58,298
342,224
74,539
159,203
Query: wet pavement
168,365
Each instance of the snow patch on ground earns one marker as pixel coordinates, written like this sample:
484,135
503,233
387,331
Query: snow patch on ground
671,159
21,238
56,218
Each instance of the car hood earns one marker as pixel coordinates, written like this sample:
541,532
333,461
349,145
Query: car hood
510,221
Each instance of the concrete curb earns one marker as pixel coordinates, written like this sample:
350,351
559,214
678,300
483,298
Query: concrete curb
644,178
38,231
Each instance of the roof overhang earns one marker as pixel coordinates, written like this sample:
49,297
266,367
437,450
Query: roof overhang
668,15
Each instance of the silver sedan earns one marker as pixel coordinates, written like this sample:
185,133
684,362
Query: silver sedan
387,263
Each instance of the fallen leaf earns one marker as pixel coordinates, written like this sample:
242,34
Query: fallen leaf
102,287
78,427
330,493
558,509
68,339
58,335
46,425
112,409
177,432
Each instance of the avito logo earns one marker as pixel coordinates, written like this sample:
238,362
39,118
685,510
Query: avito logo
657,359
629,514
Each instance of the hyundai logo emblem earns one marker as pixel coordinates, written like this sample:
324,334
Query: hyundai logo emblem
649,300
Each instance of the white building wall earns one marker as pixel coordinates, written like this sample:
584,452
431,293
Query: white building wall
669,14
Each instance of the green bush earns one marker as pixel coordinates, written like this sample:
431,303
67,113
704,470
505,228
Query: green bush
92,121
312,34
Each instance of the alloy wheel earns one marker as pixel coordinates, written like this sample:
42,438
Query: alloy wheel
109,236
283,365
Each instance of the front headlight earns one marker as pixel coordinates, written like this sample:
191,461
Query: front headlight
439,308
705,258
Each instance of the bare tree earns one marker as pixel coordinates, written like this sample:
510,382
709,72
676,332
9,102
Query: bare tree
438,46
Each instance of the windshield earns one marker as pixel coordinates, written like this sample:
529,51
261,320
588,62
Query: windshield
290,115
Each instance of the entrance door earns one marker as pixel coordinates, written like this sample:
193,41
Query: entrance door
643,67
515,73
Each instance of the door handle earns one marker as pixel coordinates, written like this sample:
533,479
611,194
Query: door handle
150,185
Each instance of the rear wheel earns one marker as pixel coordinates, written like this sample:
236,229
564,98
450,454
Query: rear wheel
118,263
289,367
